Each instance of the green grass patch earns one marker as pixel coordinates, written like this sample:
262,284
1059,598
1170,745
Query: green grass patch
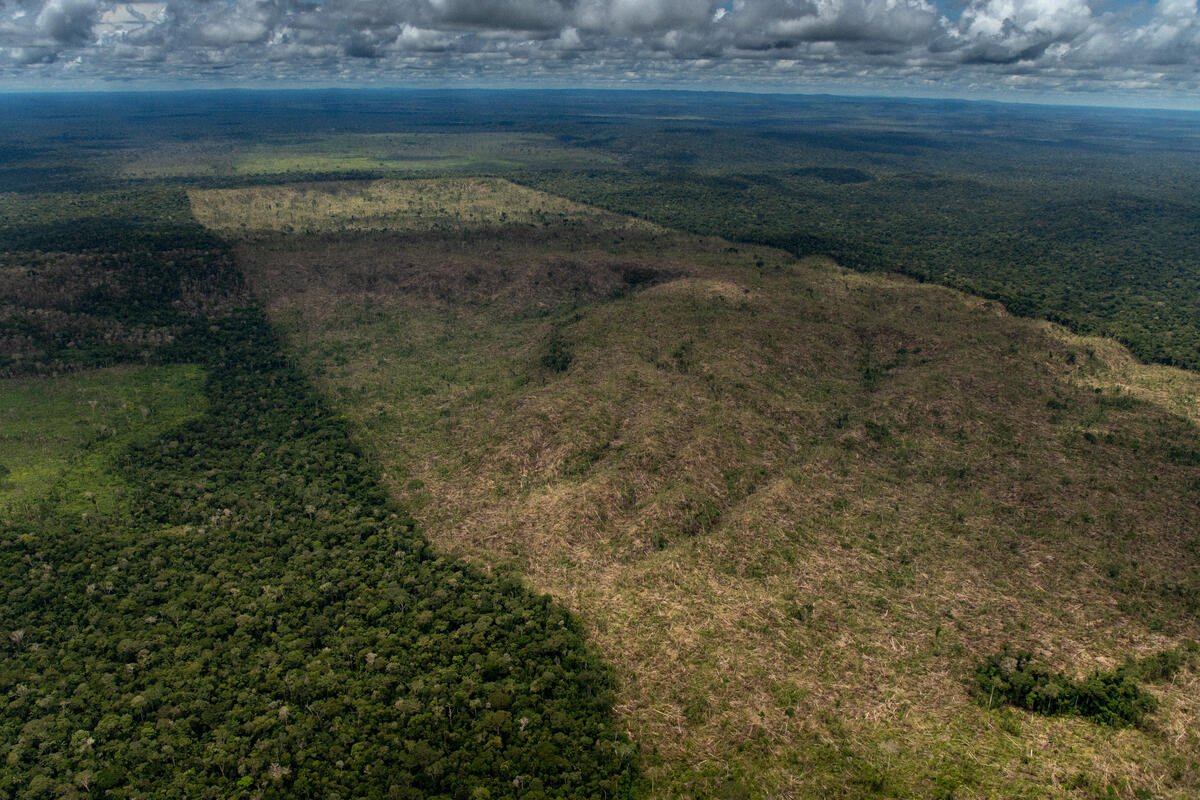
313,163
61,434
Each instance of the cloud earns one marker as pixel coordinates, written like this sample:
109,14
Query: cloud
505,15
1059,45
69,22
1171,37
30,55
362,47
643,16
412,39
1011,31
882,21
222,25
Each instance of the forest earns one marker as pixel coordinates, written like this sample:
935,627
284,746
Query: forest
246,613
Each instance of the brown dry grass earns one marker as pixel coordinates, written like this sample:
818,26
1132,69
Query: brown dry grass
792,505
1107,365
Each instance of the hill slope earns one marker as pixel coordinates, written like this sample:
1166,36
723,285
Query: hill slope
793,505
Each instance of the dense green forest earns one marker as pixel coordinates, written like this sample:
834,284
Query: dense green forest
249,614
1121,266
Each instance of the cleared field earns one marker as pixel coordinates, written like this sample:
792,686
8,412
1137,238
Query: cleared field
793,505
383,153
391,205
59,434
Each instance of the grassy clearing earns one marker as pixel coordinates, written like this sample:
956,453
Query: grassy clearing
403,153
793,505
1106,365
59,435
270,163
389,205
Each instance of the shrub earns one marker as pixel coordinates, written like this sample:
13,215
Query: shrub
1161,666
1111,698
557,356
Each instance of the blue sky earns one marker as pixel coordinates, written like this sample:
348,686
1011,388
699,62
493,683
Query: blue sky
1121,51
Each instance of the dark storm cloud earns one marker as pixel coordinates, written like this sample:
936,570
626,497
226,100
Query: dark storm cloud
1057,45
69,22
511,15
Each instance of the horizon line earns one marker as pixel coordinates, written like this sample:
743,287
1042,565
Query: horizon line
1044,102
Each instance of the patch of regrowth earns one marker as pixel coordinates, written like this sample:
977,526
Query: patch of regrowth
1162,666
59,436
557,355
1109,697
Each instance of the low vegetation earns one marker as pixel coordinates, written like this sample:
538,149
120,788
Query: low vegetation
59,436
410,206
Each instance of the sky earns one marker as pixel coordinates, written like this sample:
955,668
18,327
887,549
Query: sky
1125,52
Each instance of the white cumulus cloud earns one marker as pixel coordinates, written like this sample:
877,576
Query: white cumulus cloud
1002,43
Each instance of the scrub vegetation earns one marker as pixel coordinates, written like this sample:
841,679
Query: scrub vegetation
411,206
1110,697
